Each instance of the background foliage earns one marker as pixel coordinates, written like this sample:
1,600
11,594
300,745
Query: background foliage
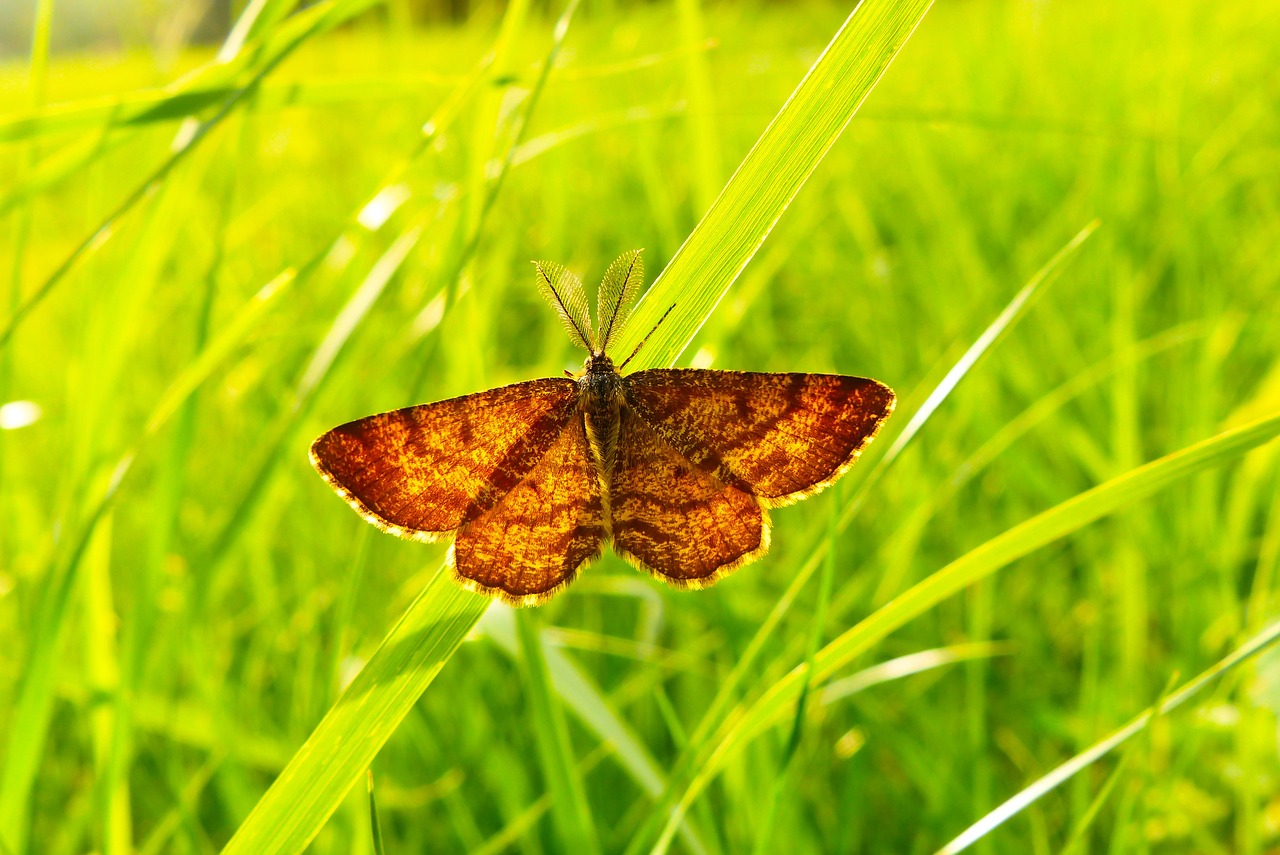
165,652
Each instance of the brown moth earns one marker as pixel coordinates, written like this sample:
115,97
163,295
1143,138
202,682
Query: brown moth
678,467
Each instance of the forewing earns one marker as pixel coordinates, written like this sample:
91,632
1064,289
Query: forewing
675,520
534,540
563,290
423,471
618,290
777,436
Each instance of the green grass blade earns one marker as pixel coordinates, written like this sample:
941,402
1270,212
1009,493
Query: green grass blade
569,808
323,17
1016,307
1030,794
35,698
770,176
374,825
1024,538
352,733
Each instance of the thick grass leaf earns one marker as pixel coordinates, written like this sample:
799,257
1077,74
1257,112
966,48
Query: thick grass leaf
345,742
775,169
569,806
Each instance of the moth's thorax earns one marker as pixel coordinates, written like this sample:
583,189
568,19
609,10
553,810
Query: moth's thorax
601,389
600,385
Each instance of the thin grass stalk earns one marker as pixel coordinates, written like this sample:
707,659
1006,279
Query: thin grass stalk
744,724
1047,783
764,838
182,148
570,809
375,826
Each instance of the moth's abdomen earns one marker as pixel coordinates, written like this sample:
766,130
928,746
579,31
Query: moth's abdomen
601,395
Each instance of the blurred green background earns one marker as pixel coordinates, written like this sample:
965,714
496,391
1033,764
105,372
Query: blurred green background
164,654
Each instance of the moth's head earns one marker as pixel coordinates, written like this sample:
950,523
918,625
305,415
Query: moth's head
618,289
598,363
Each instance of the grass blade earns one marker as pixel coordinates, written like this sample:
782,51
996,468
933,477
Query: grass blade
1042,529
1100,749
345,742
770,176
375,826
569,807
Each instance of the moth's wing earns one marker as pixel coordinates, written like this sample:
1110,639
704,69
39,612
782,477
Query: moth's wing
535,539
675,520
780,437
423,471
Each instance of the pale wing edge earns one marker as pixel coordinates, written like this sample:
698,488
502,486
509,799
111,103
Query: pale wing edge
720,572
519,601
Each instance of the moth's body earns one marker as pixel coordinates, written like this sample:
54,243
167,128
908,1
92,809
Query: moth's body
602,390
676,468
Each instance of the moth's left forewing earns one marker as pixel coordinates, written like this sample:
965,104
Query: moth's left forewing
781,437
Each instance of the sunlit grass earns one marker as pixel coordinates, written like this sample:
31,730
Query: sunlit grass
182,600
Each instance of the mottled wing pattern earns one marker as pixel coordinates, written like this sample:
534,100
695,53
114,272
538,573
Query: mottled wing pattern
674,519
779,437
423,471
533,541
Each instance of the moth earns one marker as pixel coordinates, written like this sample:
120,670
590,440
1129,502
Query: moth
678,468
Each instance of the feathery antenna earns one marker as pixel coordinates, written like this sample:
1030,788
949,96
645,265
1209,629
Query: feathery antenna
618,289
564,292
646,337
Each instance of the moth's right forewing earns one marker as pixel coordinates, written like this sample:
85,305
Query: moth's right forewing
421,472
780,437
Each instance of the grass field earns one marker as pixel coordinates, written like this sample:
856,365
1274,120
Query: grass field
1052,228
